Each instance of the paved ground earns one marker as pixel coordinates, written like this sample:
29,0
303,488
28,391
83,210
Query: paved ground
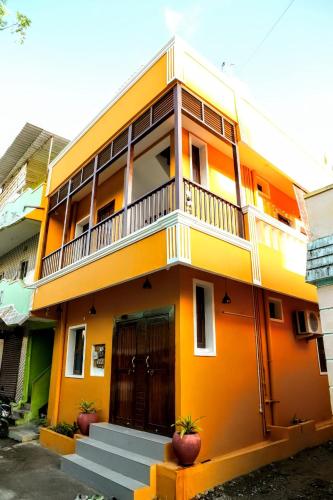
29,472
307,476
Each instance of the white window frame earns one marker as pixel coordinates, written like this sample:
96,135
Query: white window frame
276,301
79,226
70,351
321,373
210,330
195,141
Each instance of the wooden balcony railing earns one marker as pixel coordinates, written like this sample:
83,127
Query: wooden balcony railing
74,250
107,231
198,202
150,207
212,209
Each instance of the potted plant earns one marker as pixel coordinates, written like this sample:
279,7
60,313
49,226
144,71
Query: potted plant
186,440
87,416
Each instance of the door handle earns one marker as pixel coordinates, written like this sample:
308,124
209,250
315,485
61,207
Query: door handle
149,370
132,368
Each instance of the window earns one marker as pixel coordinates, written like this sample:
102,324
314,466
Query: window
196,175
321,355
23,269
106,211
262,187
284,220
204,319
198,161
76,351
275,309
82,226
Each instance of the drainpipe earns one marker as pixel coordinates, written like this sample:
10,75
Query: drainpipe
59,351
258,344
271,400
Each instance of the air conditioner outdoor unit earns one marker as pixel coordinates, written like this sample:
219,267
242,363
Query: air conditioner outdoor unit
307,323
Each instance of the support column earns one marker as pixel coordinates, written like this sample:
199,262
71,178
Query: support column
92,205
128,180
58,360
239,192
179,185
65,228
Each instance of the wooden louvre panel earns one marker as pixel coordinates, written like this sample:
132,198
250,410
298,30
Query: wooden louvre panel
191,104
120,143
229,130
105,155
76,181
141,124
53,200
163,106
63,191
213,119
88,170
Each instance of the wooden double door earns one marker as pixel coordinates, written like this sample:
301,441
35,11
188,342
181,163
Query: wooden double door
143,372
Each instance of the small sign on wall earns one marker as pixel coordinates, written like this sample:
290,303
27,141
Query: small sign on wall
97,360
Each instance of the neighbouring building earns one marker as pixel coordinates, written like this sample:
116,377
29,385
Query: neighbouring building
26,341
173,261
319,206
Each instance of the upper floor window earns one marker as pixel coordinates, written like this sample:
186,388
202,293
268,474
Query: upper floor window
23,269
82,226
275,309
204,318
262,187
198,161
321,355
106,211
76,345
283,219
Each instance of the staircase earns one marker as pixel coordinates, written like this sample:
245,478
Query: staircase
117,461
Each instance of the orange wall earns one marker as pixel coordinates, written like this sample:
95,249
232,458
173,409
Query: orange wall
54,230
141,258
296,379
222,388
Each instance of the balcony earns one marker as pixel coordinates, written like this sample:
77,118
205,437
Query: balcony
15,300
198,202
20,218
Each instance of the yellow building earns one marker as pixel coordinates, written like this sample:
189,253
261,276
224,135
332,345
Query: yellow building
173,258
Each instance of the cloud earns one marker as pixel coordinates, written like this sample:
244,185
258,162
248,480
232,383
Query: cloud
184,23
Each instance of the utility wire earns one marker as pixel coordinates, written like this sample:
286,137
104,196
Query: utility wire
267,35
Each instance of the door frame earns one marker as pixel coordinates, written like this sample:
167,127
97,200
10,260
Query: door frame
150,313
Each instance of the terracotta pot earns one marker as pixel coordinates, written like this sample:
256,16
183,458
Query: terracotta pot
186,448
84,420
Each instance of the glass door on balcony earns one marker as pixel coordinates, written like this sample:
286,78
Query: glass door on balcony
143,374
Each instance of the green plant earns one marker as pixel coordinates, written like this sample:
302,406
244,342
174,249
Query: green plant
87,407
186,425
66,429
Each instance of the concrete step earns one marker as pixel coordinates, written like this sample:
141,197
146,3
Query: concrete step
142,443
117,459
23,435
108,482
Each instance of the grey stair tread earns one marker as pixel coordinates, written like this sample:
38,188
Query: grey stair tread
136,457
133,432
116,477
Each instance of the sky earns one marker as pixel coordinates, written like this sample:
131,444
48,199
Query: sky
78,53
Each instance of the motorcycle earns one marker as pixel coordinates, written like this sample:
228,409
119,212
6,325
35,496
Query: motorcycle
5,412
